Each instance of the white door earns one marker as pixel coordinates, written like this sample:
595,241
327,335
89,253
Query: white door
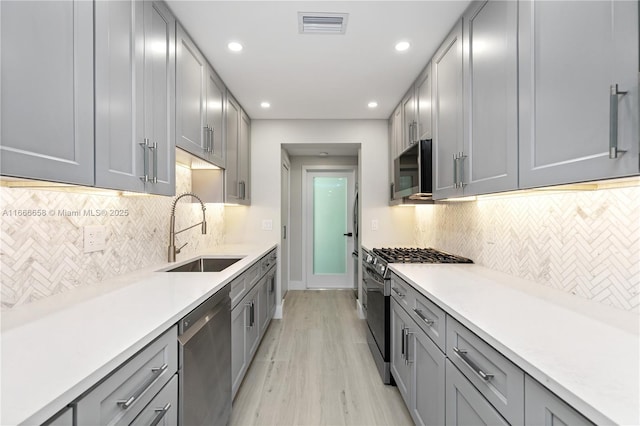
328,204
284,236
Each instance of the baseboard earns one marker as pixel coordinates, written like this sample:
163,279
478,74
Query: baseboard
360,311
297,285
279,309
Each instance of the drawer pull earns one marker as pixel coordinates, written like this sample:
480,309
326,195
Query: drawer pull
160,413
155,373
429,322
400,295
463,356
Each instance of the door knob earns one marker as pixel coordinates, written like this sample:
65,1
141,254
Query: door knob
348,234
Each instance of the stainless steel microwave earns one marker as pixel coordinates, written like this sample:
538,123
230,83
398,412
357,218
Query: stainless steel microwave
413,172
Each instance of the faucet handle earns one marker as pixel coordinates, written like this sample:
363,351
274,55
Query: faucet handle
180,248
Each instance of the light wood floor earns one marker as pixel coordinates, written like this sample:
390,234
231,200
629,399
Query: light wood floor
314,368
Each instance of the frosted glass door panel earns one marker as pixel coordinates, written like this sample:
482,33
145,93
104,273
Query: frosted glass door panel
329,225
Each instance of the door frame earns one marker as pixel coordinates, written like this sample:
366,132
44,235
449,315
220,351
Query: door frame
306,169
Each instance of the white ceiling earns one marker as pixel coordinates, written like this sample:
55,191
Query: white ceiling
318,76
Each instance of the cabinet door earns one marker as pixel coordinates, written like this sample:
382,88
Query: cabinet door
159,96
395,143
46,112
399,367
423,104
254,302
214,114
544,408
244,158
232,136
272,293
464,404
263,309
427,381
239,359
447,114
119,77
566,70
190,95
491,94
409,128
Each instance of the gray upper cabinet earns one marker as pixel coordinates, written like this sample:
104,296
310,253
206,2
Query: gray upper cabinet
409,122
490,30
191,68
199,103
448,158
567,70
214,113
237,172
135,80
46,69
395,144
423,104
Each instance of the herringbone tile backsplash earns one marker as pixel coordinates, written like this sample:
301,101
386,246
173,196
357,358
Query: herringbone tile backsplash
584,243
41,256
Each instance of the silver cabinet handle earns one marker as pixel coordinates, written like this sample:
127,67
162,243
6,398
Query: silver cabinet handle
252,316
407,361
155,373
422,316
472,365
160,413
154,147
242,190
213,139
402,342
614,152
415,133
455,170
205,135
396,291
461,157
145,155
249,305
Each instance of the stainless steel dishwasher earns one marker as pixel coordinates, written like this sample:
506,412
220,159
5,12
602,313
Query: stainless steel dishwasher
204,337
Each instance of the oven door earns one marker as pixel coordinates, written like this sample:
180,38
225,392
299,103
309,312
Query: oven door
377,308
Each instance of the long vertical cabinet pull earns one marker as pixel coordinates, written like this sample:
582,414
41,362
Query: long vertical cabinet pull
213,139
455,170
154,147
460,168
614,152
145,155
407,361
402,349
249,305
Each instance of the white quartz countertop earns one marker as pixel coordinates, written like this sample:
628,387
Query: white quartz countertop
584,352
55,349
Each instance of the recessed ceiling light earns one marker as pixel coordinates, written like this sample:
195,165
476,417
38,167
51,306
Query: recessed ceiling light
265,104
234,46
402,46
372,104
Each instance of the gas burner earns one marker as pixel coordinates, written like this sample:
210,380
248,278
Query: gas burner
418,255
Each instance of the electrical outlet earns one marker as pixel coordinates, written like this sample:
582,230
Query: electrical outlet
267,225
95,238
374,224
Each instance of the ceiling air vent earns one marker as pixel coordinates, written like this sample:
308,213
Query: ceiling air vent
322,23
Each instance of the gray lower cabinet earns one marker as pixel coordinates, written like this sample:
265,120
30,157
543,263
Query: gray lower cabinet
163,408
122,396
464,404
544,408
490,74
63,418
417,365
46,112
134,89
239,359
271,293
568,76
448,156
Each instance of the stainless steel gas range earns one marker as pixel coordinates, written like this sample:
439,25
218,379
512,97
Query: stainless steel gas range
376,287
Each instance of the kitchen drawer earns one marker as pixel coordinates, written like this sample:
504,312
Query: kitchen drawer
464,405
163,408
122,395
429,318
498,379
245,282
268,261
402,292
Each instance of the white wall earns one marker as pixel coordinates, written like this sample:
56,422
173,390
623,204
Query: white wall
396,224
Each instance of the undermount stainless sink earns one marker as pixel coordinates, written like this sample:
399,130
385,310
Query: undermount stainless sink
206,264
